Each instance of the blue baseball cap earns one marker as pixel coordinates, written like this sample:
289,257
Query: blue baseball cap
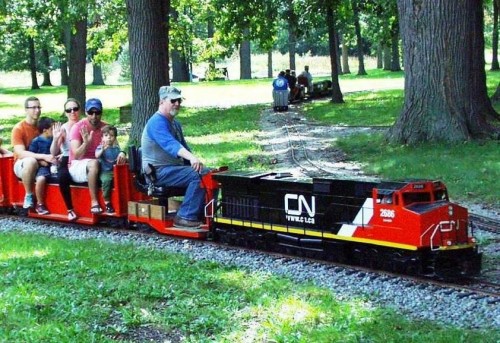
93,104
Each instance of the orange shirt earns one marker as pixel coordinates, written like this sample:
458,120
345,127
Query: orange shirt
23,133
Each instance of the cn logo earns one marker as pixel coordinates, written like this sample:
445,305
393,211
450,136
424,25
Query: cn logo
294,205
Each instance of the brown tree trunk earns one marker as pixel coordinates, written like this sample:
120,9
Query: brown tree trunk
359,38
32,59
77,61
395,65
46,68
345,57
148,42
270,63
245,60
494,39
98,78
445,80
337,96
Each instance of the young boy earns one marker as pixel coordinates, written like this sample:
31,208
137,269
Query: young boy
107,153
41,145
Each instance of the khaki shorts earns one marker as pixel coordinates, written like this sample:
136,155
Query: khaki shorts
19,166
78,170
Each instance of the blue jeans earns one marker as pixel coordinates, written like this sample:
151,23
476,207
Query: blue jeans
185,176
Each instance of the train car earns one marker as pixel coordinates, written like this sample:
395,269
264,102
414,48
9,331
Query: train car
409,227
123,191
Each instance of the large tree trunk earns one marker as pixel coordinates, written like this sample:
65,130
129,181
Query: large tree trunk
359,39
32,59
77,61
395,65
148,43
494,39
66,40
337,96
445,81
98,79
345,58
180,66
245,61
270,63
46,68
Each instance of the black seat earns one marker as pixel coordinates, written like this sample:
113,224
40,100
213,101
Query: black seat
145,182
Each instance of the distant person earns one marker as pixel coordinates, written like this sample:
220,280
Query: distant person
85,136
60,148
107,152
26,162
165,149
306,79
41,145
280,93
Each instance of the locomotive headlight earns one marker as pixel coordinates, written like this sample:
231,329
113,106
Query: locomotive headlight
448,243
450,210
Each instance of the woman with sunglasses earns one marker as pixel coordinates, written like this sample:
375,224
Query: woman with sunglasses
61,146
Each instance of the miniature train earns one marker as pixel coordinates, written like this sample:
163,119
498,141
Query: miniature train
407,227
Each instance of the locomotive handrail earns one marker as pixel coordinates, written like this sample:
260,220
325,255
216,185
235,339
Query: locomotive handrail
439,228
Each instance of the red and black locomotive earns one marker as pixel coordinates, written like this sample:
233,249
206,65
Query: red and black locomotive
408,227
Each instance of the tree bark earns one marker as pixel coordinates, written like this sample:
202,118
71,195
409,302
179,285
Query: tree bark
32,59
494,39
245,61
337,96
77,61
148,44
359,38
395,65
180,66
46,68
98,79
270,63
445,81
345,58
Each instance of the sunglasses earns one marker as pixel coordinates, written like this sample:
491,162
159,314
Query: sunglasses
34,107
173,101
72,109
94,113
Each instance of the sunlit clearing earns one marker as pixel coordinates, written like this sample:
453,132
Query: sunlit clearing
8,255
295,311
242,136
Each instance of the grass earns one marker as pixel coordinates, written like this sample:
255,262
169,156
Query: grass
57,290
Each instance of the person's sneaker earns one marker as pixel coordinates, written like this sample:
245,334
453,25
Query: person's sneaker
41,209
28,201
109,208
72,215
184,223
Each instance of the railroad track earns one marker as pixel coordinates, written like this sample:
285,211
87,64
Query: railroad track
485,223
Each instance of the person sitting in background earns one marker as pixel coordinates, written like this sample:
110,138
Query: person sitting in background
306,79
41,145
107,152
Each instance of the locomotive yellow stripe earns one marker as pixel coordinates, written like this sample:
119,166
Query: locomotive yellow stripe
314,233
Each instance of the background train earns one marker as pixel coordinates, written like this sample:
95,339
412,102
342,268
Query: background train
408,227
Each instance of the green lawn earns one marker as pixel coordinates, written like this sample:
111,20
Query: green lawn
58,290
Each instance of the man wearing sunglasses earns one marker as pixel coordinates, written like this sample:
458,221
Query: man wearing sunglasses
165,149
26,162
85,136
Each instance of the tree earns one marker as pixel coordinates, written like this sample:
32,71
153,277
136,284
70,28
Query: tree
148,44
445,81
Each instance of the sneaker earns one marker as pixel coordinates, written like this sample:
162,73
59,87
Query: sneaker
41,209
109,208
185,223
72,215
28,201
